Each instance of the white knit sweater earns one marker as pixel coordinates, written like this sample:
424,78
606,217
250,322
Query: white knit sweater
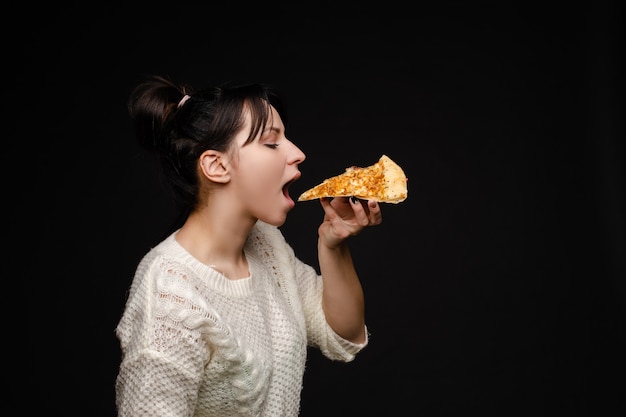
195,343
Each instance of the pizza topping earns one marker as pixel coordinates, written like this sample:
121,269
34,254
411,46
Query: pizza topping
384,182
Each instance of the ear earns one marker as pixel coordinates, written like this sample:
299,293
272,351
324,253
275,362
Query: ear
213,167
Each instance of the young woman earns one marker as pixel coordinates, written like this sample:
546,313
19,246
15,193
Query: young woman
220,313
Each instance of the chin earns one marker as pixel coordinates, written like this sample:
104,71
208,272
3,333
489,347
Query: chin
275,220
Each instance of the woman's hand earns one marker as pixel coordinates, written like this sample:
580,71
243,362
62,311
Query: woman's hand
345,217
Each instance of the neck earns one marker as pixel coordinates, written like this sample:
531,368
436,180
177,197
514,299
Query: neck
217,240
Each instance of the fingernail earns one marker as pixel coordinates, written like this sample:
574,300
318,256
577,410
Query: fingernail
354,200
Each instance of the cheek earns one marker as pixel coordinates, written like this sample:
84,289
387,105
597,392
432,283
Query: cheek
261,178
261,174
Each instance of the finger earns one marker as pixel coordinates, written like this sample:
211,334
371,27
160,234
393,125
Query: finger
328,208
360,212
337,202
374,213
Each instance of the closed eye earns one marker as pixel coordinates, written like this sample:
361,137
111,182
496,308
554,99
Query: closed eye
272,145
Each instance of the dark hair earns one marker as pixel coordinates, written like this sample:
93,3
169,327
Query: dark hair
180,130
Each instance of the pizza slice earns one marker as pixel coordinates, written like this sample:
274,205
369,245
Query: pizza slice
384,182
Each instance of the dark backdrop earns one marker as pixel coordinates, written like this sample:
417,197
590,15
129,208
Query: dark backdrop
497,288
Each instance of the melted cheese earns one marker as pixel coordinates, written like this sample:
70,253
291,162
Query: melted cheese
384,181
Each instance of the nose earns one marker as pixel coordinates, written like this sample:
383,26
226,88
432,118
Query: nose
296,156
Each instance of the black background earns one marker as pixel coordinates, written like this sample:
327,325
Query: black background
497,288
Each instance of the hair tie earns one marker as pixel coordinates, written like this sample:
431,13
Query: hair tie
183,100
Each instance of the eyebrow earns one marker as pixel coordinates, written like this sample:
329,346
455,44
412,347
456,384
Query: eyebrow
271,129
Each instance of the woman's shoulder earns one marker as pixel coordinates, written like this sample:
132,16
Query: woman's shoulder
165,264
165,249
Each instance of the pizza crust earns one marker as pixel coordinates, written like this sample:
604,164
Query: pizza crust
383,181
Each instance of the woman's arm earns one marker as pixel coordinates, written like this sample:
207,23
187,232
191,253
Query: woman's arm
342,298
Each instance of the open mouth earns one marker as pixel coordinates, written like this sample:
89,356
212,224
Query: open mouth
287,185
286,189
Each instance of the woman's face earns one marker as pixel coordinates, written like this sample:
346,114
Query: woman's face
264,169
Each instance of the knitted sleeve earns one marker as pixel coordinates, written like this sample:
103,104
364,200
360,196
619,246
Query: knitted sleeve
320,334
163,358
306,284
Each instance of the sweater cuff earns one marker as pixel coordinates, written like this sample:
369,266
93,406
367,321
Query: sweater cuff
351,348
